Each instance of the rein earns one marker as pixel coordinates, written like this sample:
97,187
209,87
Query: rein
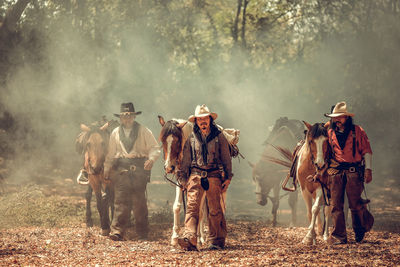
172,182
324,187
181,187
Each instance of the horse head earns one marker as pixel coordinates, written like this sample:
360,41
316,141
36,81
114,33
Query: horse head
318,145
95,147
172,137
261,180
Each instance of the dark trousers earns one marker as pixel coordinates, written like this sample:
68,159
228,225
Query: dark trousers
130,193
351,184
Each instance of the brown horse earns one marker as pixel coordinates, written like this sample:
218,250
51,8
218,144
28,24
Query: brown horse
95,144
267,176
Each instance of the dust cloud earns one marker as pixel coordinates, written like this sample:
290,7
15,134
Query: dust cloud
78,80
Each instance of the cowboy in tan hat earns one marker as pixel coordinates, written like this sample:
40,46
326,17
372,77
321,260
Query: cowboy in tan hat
206,168
131,154
350,148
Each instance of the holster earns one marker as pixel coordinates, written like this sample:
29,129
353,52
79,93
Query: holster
205,173
133,167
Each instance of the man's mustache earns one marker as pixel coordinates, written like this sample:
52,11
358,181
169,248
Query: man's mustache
203,124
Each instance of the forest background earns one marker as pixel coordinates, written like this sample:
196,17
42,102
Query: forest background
66,62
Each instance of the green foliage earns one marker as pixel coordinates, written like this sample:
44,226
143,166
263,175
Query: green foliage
30,207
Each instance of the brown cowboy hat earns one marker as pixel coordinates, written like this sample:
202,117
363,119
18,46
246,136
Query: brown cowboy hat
340,109
127,108
202,111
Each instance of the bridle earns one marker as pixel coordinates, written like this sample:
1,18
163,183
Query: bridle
326,157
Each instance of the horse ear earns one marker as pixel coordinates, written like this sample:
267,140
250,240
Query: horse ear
85,128
161,120
181,125
252,165
326,125
307,125
104,127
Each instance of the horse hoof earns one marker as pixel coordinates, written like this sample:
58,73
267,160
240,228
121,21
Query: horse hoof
201,241
307,241
174,241
105,232
329,239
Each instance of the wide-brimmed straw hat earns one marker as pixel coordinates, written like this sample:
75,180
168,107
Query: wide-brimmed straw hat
202,111
127,108
340,109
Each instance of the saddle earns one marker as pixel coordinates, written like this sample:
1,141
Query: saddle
292,172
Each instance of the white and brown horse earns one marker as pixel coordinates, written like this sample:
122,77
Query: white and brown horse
95,144
173,136
312,163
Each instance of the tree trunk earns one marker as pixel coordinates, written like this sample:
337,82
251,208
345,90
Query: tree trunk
235,27
246,2
12,17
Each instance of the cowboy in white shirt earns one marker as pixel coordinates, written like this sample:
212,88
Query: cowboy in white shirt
131,154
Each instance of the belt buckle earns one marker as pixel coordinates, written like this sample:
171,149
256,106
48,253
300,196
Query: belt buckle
132,168
352,169
203,174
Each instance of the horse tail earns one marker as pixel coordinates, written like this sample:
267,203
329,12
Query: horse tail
278,161
285,153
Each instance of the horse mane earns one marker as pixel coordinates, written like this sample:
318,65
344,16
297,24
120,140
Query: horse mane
317,130
170,128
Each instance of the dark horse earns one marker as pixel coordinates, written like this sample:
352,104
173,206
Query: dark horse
95,145
266,175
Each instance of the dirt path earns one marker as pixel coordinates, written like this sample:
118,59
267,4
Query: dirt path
249,243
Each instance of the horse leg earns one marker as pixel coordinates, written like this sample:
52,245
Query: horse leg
275,205
111,197
203,215
105,204
100,207
88,196
292,200
308,201
327,215
311,237
176,209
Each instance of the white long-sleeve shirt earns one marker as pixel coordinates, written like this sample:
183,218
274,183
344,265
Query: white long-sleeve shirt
146,146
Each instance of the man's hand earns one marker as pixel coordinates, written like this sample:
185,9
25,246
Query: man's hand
148,165
225,185
368,175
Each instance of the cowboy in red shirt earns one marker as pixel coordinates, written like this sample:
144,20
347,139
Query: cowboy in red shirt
347,173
